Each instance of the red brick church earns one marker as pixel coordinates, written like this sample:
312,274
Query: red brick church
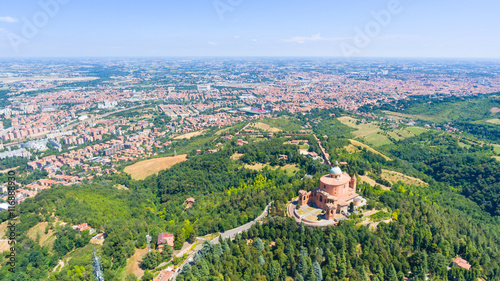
336,192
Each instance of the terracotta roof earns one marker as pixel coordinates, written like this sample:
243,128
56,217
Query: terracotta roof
462,263
162,237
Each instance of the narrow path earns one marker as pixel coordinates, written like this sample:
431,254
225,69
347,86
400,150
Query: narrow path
326,156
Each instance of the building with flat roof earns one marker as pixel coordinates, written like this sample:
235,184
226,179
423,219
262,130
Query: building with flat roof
204,87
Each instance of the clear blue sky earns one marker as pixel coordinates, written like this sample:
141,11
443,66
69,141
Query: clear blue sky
421,28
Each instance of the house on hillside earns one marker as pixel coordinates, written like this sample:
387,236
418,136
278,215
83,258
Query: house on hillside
82,227
165,238
459,262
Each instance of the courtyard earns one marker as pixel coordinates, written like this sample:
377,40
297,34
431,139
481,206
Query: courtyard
311,215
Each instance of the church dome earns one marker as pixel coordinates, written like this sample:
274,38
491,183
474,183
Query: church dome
335,170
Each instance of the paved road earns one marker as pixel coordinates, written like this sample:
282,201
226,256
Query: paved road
325,155
230,233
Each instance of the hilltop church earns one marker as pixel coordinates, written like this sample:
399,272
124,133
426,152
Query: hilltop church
336,192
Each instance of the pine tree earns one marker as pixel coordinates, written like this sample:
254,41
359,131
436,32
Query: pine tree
262,261
303,268
317,271
332,261
401,276
274,270
392,275
342,271
310,275
259,245
362,273
380,271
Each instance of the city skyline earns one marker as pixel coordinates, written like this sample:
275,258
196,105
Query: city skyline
223,28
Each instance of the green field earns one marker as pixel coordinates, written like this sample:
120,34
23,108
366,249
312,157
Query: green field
368,132
473,110
496,148
416,130
495,121
283,124
405,133
377,140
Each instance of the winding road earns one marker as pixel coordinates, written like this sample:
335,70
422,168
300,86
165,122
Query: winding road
228,234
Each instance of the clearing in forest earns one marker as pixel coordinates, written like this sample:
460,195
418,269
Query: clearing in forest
39,230
372,182
369,132
143,169
495,121
357,143
134,262
189,135
394,177
236,156
264,127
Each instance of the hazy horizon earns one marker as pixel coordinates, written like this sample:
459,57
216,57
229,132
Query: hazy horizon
238,28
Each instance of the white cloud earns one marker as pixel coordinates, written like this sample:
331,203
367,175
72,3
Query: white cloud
8,19
236,37
304,39
254,40
211,43
313,38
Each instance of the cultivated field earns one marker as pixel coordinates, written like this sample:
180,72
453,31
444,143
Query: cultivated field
134,262
189,135
394,177
4,243
496,148
39,231
236,156
256,167
395,115
369,132
264,127
143,169
289,168
357,143
372,182
495,121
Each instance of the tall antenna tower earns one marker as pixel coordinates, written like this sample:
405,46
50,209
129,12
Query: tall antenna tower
97,268
148,239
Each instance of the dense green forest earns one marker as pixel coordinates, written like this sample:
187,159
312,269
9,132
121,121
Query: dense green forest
4,94
423,238
467,114
443,109
439,156
456,214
